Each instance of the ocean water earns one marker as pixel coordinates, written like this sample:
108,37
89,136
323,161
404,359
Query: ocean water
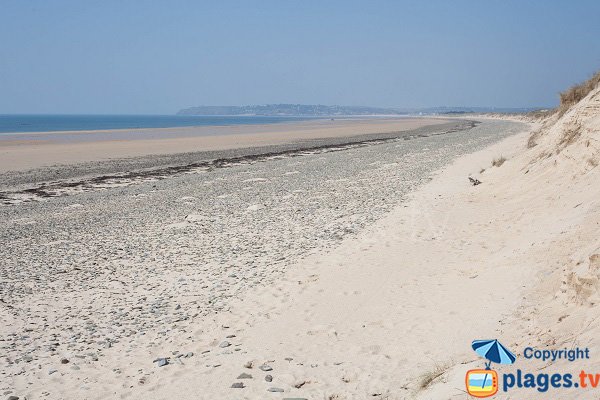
49,123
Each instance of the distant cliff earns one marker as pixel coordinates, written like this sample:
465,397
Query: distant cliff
286,109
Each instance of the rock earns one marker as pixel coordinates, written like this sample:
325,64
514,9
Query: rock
265,368
52,371
244,376
248,365
162,361
64,361
229,336
224,344
269,378
274,389
190,354
238,385
13,398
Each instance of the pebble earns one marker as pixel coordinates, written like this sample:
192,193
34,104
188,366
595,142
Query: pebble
244,376
274,389
248,365
162,361
269,378
64,361
265,368
238,385
224,344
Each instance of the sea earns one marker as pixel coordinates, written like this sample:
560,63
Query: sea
10,124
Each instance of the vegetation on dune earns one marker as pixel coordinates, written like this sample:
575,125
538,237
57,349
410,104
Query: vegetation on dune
497,162
576,93
568,99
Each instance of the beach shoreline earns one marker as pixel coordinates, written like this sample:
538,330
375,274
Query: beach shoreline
17,152
28,166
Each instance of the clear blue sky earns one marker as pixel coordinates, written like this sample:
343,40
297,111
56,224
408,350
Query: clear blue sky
152,57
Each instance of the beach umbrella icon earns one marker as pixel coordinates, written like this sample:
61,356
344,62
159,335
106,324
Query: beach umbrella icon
493,351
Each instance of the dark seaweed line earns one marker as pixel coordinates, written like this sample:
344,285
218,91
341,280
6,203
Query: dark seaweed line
50,190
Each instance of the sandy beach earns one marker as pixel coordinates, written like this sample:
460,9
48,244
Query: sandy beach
206,200
360,271
68,147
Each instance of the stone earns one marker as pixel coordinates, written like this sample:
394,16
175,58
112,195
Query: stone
224,344
238,385
269,378
64,361
13,398
162,361
275,389
244,376
265,368
248,365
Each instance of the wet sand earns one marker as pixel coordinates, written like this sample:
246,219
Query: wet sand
24,151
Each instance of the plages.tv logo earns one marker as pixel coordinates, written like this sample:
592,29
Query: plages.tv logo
484,382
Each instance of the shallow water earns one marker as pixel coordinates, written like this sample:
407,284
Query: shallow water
52,123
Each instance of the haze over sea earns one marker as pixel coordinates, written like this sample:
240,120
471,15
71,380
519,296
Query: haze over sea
50,123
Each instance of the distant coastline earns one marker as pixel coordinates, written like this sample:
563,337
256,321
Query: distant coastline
315,110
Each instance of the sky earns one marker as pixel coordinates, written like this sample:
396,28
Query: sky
156,57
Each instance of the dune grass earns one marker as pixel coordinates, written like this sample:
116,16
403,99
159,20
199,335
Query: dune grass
497,162
576,93
429,377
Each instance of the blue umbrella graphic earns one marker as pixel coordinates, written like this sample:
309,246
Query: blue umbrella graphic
493,351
